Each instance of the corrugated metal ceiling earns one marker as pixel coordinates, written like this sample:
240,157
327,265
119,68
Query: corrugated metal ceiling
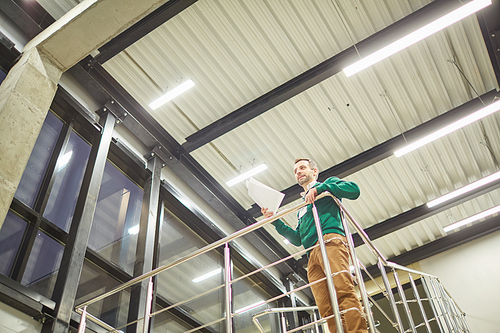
236,51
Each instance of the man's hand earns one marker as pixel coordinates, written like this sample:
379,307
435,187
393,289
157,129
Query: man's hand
311,196
266,213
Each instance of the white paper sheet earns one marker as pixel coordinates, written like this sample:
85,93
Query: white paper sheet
264,196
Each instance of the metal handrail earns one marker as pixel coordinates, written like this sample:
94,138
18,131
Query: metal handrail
382,263
210,247
196,253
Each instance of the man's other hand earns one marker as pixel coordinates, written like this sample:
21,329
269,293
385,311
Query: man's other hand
311,195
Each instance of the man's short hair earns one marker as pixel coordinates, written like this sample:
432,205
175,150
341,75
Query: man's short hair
312,164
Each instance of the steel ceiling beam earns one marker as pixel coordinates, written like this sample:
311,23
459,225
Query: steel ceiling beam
419,213
140,29
140,122
490,29
317,74
478,230
29,16
387,148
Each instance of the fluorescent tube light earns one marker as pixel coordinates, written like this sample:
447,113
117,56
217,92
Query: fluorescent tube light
474,218
465,189
208,275
64,160
246,175
486,111
133,230
250,307
417,35
171,94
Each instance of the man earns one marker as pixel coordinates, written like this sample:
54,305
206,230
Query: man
306,173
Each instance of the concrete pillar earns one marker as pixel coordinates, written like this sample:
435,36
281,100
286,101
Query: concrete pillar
28,90
25,98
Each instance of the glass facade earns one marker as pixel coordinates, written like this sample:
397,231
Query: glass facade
37,164
11,235
36,234
116,220
68,177
43,264
192,277
95,281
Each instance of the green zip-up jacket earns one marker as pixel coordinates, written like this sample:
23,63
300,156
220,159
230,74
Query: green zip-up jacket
328,212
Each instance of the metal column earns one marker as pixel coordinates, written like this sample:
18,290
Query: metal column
74,253
145,245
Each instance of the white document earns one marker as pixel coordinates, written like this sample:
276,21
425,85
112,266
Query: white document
264,196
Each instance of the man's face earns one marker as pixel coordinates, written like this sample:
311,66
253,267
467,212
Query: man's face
303,173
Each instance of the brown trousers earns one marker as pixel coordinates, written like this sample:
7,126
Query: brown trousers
338,254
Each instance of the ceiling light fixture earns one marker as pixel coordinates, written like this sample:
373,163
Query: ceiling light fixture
246,175
172,94
417,35
465,189
208,275
64,160
251,306
474,218
133,230
486,111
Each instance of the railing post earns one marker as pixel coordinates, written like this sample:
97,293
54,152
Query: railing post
402,296
392,301
283,322
447,306
83,318
228,292
420,305
149,300
315,318
431,302
452,309
359,276
328,272
441,307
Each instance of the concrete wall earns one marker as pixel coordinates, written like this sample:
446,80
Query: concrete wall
471,273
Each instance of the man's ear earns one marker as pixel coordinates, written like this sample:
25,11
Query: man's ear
315,173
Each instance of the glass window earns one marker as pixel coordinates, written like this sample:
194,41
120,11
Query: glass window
94,281
248,300
116,219
11,236
2,76
193,277
43,265
166,322
69,172
39,159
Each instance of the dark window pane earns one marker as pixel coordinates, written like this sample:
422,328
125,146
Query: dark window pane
116,220
166,322
2,76
113,310
39,159
11,236
69,173
192,277
43,265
